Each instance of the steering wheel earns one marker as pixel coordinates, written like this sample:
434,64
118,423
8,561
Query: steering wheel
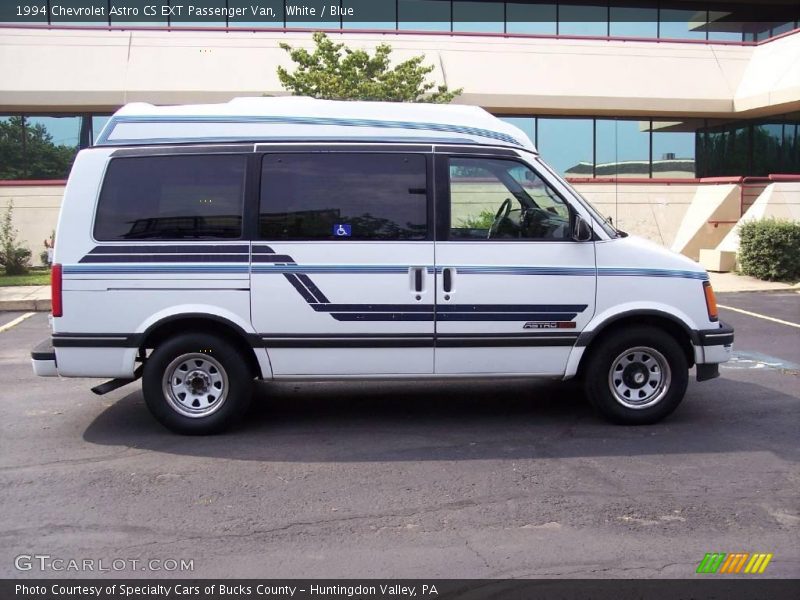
501,215
535,222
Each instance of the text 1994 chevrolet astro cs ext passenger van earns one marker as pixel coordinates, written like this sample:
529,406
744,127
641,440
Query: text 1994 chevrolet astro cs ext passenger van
202,247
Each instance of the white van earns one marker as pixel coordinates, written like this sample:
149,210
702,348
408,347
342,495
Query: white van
202,247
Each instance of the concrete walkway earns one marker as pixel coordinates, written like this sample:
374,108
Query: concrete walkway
731,282
37,297
25,297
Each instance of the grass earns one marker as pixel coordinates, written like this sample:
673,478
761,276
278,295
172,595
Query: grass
34,277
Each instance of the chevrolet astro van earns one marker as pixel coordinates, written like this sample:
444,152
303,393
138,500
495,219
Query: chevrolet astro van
204,247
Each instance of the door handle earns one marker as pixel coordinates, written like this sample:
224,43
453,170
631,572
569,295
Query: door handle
417,279
447,279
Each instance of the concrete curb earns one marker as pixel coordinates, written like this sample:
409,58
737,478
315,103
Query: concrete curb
26,298
26,305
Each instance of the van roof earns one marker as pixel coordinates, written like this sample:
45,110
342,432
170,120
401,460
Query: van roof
293,118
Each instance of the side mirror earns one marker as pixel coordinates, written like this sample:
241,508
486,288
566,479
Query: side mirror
582,231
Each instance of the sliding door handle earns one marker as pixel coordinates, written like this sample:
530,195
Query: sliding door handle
418,279
447,279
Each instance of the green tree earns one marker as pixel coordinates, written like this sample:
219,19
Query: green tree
335,72
28,152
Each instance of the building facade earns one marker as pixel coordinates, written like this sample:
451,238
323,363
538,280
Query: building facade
669,116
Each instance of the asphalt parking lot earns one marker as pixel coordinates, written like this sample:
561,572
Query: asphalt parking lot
487,479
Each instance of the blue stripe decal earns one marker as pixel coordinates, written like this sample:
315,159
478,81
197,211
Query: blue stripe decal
242,267
486,270
84,269
292,120
338,269
512,270
641,272
267,139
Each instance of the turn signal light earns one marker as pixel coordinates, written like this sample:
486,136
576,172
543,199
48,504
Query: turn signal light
711,301
55,290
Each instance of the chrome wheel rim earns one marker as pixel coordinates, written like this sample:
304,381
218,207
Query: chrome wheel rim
639,377
195,385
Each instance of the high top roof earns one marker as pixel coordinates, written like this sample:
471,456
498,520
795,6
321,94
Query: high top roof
291,118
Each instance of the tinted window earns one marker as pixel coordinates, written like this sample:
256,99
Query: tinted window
343,196
172,197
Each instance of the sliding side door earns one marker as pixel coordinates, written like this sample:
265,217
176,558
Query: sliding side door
342,270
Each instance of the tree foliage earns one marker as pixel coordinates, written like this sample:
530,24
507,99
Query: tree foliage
27,151
13,256
335,72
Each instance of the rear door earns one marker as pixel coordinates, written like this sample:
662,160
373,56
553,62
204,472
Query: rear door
513,288
342,263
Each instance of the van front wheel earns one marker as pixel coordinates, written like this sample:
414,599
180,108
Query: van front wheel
196,384
637,377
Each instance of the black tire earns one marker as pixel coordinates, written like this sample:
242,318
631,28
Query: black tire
216,391
636,354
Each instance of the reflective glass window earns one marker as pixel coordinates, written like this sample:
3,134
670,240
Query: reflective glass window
31,13
567,145
302,17
272,14
723,26
132,13
628,21
783,28
38,147
478,16
674,148
370,14
201,13
582,19
681,24
767,148
423,15
527,124
791,145
622,148
59,12
531,18
98,122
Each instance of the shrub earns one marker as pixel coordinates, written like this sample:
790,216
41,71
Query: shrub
15,257
483,221
770,249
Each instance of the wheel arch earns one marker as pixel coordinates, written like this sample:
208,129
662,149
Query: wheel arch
175,324
669,323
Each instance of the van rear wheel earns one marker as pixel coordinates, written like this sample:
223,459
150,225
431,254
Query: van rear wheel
197,384
637,376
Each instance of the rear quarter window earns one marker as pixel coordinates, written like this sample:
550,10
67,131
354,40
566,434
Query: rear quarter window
172,198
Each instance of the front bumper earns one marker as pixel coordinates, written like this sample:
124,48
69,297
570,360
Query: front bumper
712,346
43,359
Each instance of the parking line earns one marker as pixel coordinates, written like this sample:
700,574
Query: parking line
16,321
760,316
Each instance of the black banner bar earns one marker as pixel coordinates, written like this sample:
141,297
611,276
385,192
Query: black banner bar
703,588
276,13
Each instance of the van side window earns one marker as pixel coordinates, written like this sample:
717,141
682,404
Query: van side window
172,198
503,199
359,196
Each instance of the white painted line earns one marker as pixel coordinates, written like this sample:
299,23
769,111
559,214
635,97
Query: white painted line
16,321
760,316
